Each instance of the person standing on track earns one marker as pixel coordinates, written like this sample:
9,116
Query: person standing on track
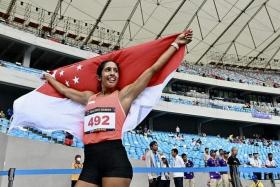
106,163
177,162
223,163
234,164
188,175
76,165
153,161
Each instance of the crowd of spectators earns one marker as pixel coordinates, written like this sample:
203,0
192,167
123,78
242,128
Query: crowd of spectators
219,103
214,158
220,158
154,159
252,77
145,131
8,114
256,141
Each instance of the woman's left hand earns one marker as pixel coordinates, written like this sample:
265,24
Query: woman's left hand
184,38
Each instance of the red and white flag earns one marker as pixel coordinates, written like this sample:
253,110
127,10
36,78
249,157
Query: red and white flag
46,109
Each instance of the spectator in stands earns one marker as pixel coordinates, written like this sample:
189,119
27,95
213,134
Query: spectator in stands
256,162
76,165
145,130
165,176
177,163
220,154
251,142
139,130
250,159
247,105
198,141
193,142
2,114
265,143
269,143
153,161
179,138
144,156
269,163
9,113
223,163
188,175
68,139
150,133
276,112
230,138
206,155
234,163
215,177
256,182
177,131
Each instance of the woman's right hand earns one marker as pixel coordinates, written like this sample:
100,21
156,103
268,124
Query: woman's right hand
46,76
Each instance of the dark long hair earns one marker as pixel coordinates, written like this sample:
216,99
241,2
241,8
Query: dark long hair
102,65
100,69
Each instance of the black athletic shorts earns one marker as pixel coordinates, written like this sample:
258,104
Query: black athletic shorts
105,159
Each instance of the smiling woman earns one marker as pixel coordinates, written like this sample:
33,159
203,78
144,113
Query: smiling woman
105,114
109,80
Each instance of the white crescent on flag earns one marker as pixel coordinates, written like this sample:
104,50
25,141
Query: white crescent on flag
44,108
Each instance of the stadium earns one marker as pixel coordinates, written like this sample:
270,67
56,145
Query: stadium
223,94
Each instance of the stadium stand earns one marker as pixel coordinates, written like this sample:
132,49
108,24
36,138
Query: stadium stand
250,77
20,68
136,143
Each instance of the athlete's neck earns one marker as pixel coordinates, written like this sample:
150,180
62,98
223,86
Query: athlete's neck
107,91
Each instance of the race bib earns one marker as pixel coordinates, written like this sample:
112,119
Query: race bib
100,119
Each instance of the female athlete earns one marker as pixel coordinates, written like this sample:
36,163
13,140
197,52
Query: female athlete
106,163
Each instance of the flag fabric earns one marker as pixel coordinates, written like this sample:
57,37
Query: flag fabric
44,108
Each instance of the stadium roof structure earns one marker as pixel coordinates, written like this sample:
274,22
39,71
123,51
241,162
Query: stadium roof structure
243,33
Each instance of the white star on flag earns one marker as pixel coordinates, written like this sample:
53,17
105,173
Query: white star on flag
67,83
76,80
79,67
61,73
54,73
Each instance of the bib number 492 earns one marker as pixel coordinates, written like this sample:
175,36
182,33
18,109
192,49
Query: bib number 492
99,120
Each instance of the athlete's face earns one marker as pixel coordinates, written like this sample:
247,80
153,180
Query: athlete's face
110,75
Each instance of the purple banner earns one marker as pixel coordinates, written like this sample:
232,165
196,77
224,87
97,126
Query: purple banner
262,115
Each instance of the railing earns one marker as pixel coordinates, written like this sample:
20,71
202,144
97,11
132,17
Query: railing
12,172
33,71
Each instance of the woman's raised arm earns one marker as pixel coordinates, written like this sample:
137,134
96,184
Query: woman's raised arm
130,92
77,96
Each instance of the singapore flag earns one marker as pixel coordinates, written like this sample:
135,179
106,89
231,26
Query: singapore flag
46,109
